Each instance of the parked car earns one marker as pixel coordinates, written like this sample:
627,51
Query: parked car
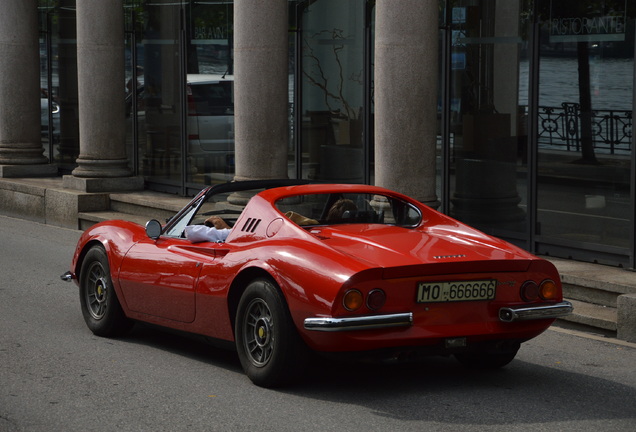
210,120
210,114
350,270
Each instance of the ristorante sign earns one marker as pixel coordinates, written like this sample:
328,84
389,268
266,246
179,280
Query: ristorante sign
585,23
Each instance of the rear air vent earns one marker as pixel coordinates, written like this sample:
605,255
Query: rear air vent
250,225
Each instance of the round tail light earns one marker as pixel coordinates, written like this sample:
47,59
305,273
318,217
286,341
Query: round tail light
352,300
530,291
548,290
376,299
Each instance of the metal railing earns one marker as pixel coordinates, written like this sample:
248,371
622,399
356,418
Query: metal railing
560,128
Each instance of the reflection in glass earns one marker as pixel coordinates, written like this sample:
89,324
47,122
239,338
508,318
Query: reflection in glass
209,93
584,128
487,121
332,65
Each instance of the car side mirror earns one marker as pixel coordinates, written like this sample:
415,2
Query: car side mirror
153,229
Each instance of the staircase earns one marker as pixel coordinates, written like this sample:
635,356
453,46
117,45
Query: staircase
594,291
138,207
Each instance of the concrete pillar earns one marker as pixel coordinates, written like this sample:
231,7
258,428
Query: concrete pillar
406,81
102,163
261,88
21,151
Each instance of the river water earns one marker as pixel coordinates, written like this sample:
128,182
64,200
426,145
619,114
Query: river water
611,81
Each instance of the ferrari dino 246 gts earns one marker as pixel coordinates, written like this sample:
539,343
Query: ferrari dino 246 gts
326,268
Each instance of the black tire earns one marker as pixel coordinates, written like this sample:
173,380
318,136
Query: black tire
270,350
100,307
485,360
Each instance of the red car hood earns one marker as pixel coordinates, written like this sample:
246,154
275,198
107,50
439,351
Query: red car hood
389,246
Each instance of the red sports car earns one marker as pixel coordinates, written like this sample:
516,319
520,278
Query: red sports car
328,268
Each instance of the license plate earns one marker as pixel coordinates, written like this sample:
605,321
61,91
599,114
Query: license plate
429,292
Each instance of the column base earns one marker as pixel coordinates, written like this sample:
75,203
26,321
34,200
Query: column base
109,184
22,171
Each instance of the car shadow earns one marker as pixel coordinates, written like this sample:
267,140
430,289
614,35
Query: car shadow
439,389
198,348
434,389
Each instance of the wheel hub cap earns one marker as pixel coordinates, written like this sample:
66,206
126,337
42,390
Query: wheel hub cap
262,331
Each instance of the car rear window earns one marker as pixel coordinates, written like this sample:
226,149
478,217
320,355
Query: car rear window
211,99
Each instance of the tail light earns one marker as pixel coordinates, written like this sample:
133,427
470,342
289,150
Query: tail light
352,300
530,291
376,299
548,290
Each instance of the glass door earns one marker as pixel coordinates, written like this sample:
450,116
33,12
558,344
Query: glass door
584,132
487,116
160,123
332,78
209,93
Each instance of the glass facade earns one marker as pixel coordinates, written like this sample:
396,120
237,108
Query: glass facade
535,106
584,129
486,112
58,82
331,40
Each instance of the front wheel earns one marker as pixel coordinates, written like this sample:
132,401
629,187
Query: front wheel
269,347
100,307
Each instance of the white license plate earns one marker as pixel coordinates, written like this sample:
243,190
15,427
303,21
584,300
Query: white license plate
429,292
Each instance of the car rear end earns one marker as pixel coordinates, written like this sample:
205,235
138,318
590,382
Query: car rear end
442,308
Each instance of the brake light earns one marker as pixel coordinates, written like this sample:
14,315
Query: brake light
192,106
529,291
376,299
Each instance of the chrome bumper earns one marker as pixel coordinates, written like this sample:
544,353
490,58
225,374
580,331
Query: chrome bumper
558,310
329,324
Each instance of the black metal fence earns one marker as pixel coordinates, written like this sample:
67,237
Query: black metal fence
560,128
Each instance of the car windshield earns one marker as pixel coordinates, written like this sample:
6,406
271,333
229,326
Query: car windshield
227,205
347,208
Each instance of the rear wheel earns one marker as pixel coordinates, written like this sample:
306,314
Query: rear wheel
269,347
100,307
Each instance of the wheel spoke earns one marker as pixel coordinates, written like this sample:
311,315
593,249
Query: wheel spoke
258,337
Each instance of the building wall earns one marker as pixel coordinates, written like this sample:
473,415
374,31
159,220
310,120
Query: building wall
532,131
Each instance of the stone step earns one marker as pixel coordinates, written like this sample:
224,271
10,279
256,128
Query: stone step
88,219
592,315
152,205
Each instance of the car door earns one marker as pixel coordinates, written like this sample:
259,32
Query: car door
158,277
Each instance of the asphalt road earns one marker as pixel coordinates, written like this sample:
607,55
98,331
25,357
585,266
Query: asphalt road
56,376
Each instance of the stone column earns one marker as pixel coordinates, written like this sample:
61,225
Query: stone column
21,151
261,88
406,82
102,163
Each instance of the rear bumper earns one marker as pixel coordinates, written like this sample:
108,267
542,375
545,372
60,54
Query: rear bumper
558,310
506,314
329,324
